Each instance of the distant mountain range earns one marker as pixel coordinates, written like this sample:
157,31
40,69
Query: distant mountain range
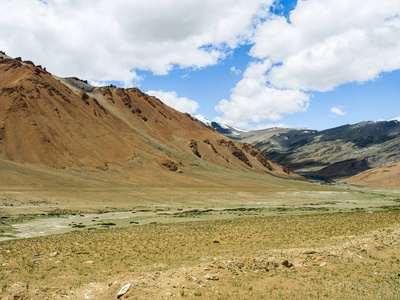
335,153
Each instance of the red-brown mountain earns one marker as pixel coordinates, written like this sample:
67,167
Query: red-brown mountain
119,134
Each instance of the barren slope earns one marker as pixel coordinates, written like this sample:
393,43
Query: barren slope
387,176
122,135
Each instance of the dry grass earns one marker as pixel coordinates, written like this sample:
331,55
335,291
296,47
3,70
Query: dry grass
42,211
238,251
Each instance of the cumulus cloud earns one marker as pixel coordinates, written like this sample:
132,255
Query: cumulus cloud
106,40
253,100
322,45
172,99
328,43
270,125
338,110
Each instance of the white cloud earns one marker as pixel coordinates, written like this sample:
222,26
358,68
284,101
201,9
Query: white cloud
338,110
235,71
106,40
172,99
331,42
97,83
270,125
253,100
323,45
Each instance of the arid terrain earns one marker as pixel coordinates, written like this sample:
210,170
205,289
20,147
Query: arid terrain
384,176
308,241
340,256
110,134
108,193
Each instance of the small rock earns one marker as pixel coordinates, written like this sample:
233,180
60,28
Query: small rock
323,264
369,212
89,262
123,290
53,254
287,264
211,277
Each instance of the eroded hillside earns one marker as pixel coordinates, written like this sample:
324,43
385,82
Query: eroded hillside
122,134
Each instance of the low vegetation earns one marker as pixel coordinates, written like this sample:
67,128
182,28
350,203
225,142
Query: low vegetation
341,256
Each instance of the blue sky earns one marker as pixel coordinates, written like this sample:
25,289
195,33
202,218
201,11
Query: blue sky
247,63
357,101
207,86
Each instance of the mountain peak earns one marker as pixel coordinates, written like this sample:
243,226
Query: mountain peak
227,130
395,119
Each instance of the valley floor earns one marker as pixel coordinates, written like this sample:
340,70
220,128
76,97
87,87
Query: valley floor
341,256
323,243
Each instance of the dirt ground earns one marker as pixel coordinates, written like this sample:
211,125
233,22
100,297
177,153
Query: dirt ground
334,256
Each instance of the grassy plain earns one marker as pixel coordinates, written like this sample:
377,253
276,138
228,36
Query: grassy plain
340,256
261,241
42,211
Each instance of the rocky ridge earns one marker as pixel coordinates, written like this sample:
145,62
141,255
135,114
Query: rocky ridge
65,123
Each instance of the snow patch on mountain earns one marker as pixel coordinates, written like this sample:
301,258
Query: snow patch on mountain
395,119
222,128
202,119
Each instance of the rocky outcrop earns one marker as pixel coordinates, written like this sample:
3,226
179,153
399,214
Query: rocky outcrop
287,170
193,146
211,145
235,151
170,165
260,155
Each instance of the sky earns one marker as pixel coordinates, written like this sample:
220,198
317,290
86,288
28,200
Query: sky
247,63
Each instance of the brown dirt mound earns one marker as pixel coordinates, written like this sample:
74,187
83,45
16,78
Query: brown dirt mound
387,176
